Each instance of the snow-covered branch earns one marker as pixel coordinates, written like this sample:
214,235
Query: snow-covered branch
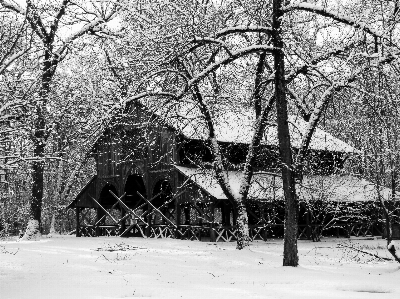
323,11
149,94
84,30
13,6
243,29
8,61
208,40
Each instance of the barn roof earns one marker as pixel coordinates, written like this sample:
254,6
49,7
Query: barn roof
235,125
267,186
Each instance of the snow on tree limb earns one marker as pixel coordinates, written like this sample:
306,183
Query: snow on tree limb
84,30
325,12
8,61
13,6
243,29
150,94
204,40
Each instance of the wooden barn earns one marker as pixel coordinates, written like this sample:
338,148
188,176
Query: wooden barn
154,179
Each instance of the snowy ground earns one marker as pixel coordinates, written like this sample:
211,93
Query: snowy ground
69,267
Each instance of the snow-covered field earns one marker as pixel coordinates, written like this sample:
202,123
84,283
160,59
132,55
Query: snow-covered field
69,267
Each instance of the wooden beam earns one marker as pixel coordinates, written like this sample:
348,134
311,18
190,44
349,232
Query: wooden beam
125,207
142,205
161,214
167,202
101,219
105,211
97,223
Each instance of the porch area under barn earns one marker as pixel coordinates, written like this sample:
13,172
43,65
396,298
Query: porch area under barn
189,204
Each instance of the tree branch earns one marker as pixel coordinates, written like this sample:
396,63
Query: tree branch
244,29
57,18
35,21
233,57
4,64
344,19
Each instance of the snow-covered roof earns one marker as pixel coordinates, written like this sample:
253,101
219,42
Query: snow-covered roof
340,188
267,186
236,125
262,187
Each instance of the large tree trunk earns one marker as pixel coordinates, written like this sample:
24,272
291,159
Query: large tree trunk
290,257
39,142
35,210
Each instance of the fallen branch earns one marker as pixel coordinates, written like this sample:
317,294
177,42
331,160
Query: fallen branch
365,252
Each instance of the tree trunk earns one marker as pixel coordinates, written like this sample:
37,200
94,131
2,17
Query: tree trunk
243,238
34,223
290,257
238,202
53,225
39,142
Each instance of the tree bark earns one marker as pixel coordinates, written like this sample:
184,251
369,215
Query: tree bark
290,257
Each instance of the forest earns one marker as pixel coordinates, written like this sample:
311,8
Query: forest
71,70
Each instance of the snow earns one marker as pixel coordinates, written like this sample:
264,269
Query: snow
112,267
334,187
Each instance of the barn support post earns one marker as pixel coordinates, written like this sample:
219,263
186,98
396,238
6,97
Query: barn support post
100,214
122,226
234,216
186,210
309,227
148,227
78,226
213,237
177,217
264,232
226,213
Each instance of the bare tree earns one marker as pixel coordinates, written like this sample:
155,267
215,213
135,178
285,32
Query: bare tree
47,22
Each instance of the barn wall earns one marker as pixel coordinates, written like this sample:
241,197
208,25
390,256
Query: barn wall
139,145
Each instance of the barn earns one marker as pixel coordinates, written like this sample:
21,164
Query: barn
154,180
